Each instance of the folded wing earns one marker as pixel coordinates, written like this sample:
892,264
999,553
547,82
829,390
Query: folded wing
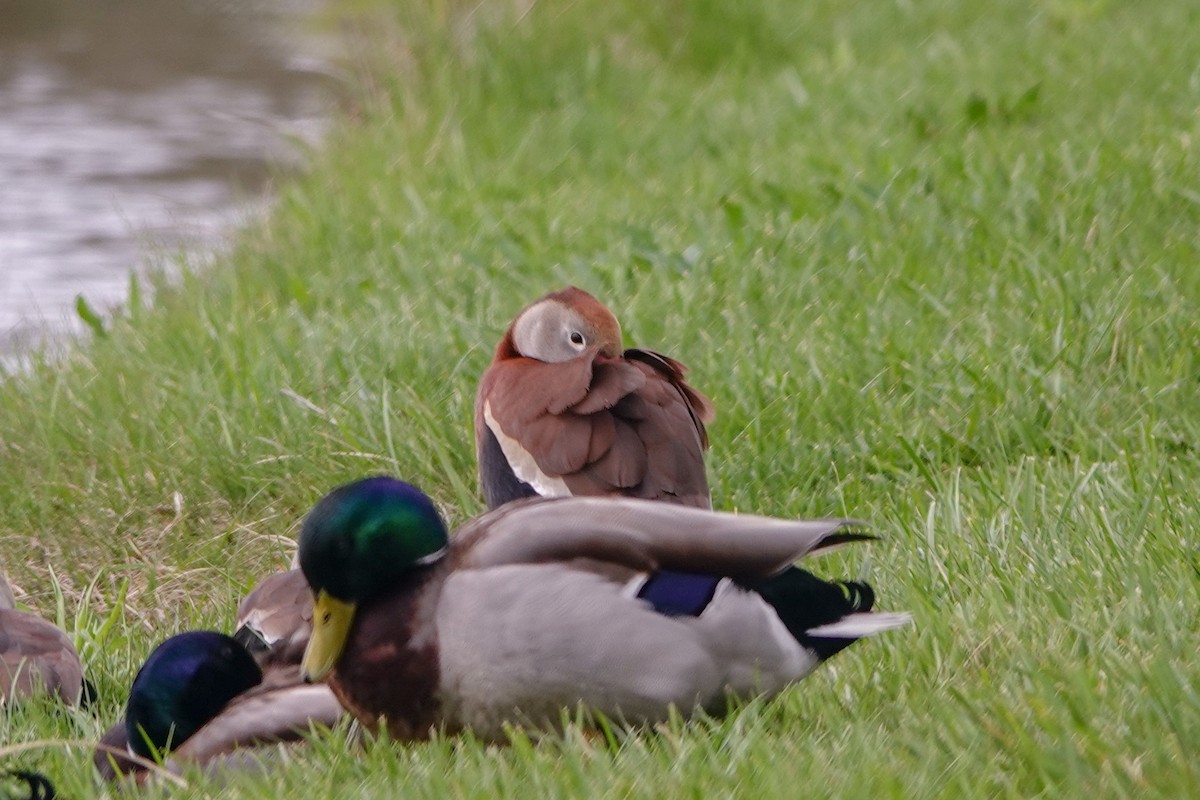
645,535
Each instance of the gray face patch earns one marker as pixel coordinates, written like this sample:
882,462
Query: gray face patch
550,331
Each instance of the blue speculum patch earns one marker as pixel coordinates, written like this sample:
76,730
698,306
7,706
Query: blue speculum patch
679,594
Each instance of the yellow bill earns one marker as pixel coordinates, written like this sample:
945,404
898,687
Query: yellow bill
331,627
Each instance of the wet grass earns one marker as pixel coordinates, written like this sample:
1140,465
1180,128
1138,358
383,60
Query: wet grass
936,265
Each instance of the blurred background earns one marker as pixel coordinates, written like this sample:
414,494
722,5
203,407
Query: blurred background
132,130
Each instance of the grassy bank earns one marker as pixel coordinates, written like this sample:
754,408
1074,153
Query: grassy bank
937,266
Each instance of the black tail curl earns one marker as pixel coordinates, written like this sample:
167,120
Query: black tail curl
40,787
803,601
860,595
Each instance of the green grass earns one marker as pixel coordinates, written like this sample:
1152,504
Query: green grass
938,265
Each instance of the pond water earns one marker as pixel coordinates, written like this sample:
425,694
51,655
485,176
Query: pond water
132,129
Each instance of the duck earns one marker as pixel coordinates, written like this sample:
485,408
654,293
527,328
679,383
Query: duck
263,704
541,605
275,618
201,698
36,657
563,410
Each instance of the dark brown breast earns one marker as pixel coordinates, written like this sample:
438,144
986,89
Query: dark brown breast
389,668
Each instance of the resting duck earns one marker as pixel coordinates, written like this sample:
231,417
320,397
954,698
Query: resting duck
562,410
276,617
200,698
543,605
35,656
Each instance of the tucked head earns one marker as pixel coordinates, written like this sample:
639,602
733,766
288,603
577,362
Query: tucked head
359,540
184,683
564,324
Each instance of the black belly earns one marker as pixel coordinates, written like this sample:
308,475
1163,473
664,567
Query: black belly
497,479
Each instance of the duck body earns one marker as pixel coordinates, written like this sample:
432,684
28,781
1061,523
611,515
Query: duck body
35,656
563,411
631,662
540,606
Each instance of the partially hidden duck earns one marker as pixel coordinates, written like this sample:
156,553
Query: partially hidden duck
564,410
542,605
36,656
276,617
201,698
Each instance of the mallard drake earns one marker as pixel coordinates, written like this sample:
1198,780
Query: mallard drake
200,697
542,605
563,410
35,655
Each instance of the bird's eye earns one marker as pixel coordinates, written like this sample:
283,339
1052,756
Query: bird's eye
577,338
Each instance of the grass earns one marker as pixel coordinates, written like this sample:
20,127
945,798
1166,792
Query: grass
935,263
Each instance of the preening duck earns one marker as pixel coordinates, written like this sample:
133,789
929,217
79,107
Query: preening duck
563,410
276,617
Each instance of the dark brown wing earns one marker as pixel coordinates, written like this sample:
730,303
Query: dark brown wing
37,656
700,407
668,418
592,426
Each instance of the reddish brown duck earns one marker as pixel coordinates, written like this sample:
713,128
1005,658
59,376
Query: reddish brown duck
563,410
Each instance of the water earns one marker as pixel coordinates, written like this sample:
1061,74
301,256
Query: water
131,129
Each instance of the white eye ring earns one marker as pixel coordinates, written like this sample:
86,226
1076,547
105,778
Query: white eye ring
577,340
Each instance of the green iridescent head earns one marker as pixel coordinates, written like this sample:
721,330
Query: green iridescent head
361,537
359,540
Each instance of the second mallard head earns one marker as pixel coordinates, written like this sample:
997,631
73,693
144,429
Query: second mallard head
184,683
